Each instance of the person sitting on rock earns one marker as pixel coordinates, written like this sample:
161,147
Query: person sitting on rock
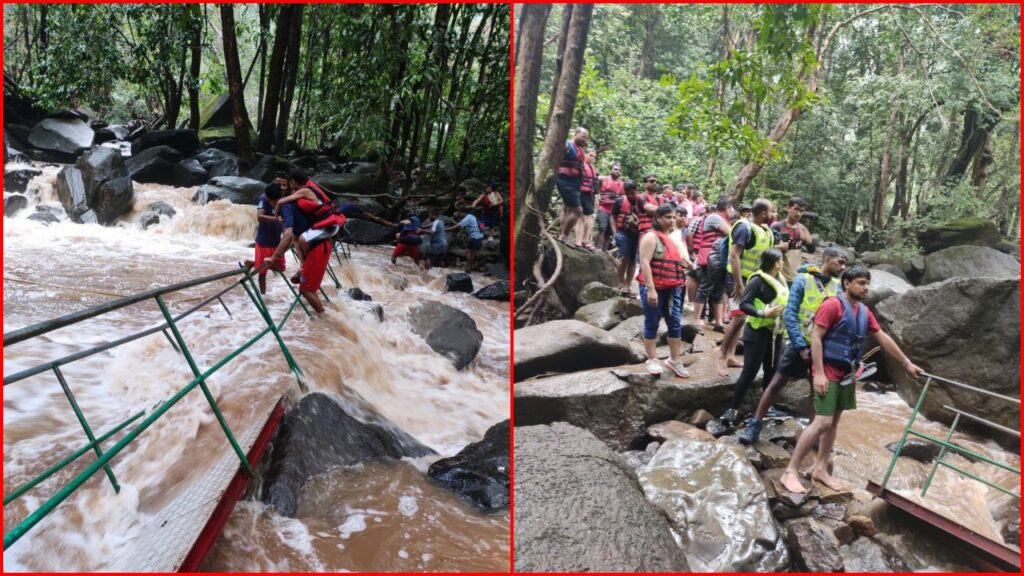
661,278
763,300
840,326
471,226
813,284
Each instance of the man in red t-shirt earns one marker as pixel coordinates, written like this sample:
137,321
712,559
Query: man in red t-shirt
831,397
610,189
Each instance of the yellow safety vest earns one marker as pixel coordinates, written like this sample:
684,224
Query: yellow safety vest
813,297
751,257
781,296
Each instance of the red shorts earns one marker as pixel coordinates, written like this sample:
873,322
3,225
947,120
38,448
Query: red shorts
264,252
406,250
315,266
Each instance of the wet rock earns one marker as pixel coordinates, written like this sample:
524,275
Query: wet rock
884,285
916,450
358,294
264,168
68,137
186,142
632,328
595,400
777,493
47,214
715,499
322,432
862,525
783,512
772,455
235,189
814,547
969,262
368,233
44,217
579,508
879,387
566,346
17,180
479,473
700,418
72,192
889,269
781,431
500,291
674,429
834,510
450,332
220,163
153,213
841,530
595,292
110,133
109,190
458,282
154,165
965,231
188,173
718,429
346,183
959,329
609,313
872,555
14,203
830,496
579,268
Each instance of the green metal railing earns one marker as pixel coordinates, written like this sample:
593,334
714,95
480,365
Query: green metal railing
103,457
947,443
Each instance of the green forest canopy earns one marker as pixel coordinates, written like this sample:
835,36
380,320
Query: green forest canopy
409,83
915,119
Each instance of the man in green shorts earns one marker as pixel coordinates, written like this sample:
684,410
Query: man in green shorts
840,327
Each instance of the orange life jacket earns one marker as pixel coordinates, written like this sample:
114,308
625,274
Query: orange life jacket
667,271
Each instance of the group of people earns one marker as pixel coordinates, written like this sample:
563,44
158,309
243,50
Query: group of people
796,321
294,211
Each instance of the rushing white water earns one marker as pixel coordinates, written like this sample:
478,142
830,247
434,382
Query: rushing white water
56,269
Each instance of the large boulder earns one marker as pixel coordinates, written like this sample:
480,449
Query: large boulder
814,546
109,190
346,183
716,500
579,268
13,203
17,180
154,212
969,262
962,232
72,193
883,285
219,163
566,346
111,133
156,165
450,332
188,173
872,555
963,329
595,292
480,472
500,291
68,137
267,166
609,313
368,233
320,433
579,508
186,142
235,189
458,282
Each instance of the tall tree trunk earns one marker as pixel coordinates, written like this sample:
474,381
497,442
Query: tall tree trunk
291,73
234,71
23,12
530,39
646,67
264,12
400,32
196,27
878,205
275,78
443,24
538,198
977,127
563,35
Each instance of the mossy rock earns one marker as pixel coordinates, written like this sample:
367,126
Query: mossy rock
219,132
963,232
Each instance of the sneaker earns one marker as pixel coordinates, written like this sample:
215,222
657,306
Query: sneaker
654,367
678,367
297,277
775,413
729,417
751,433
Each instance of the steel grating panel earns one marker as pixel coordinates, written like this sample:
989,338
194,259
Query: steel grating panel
166,538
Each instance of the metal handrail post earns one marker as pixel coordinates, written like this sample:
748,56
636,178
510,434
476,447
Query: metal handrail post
68,460
202,384
906,431
85,426
942,453
295,292
257,299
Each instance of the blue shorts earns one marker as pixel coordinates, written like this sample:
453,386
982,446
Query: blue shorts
570,195
475,244
489,218
628,244
670,307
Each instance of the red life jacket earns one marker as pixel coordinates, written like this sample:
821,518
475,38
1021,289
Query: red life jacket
322,213
589,175
625,209
609,191
645,218
703,241
572,168
667,271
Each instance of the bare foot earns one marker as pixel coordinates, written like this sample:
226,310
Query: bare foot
828,480
791,482
732,362
723,370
